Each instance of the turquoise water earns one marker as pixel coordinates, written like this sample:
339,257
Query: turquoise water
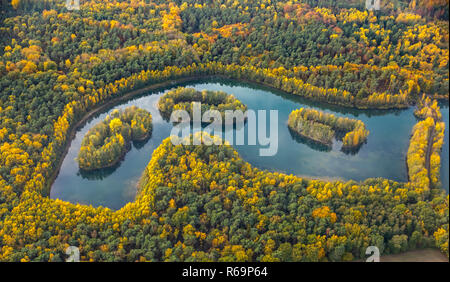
382,156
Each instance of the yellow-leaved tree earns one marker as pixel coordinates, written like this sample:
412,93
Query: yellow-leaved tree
15,4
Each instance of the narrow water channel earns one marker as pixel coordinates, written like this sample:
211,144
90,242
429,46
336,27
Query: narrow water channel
382,156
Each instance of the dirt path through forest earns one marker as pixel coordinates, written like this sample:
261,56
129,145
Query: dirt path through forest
429,152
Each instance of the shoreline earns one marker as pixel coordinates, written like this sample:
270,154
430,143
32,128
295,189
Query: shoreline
133,93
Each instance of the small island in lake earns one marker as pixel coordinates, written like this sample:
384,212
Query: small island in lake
108,141
322,127
182,98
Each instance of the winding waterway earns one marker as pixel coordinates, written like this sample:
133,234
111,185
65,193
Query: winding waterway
445,148
382,156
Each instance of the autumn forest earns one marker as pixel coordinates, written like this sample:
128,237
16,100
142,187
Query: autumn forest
60,67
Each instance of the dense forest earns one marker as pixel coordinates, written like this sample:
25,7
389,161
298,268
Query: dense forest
182,99
106,143
204,203
323,127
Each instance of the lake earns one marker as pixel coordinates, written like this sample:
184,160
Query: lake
382,156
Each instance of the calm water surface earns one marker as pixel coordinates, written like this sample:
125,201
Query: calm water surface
382,156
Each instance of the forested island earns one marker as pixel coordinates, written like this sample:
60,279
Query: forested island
108,141
182,98
321,127
204,203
